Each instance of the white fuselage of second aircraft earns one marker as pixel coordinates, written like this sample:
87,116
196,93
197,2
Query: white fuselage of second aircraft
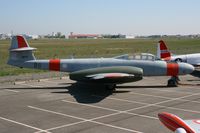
193,59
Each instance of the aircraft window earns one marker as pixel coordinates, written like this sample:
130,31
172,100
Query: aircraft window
150,57
144,57
137,57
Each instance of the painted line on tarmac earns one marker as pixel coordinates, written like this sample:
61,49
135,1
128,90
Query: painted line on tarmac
25,84
142,94
11,90
109,109
75,123
170,91
36,86
164,97
25,125
53,112
88,105
185,100
62,126
100,123
84,120
155,105
117,127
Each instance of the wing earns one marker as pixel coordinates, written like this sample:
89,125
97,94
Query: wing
115,74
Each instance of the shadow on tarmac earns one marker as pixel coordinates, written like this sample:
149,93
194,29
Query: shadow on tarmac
88,93
133,87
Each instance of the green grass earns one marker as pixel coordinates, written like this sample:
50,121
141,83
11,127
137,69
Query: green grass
56,48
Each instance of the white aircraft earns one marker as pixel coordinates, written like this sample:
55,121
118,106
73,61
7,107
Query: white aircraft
177,125
164,54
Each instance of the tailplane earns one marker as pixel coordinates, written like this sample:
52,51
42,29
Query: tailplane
20,51
162,51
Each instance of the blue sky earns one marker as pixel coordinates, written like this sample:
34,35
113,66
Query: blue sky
137,17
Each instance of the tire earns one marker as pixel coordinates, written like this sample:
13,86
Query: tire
172,83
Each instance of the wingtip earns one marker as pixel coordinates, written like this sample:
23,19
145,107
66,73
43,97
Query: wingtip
173,122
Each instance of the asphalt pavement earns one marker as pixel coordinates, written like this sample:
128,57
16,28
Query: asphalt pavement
59,105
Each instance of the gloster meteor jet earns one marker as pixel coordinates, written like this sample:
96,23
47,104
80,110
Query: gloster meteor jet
106,71
165,54
177,125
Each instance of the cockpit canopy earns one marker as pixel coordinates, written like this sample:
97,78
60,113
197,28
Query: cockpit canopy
138,56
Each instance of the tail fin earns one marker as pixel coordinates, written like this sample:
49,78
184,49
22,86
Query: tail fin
20,51
162,51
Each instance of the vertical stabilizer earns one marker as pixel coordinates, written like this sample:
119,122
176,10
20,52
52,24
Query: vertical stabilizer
162,51
20,51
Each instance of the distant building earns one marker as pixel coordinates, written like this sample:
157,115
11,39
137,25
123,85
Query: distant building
54,35
77,36
130,37
5,36
34,37
118,36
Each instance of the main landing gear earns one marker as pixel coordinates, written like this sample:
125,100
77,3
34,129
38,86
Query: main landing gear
173,81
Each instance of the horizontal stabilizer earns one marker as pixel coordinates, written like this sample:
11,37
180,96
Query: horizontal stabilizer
22,49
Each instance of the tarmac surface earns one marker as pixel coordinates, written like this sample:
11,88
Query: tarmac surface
63,106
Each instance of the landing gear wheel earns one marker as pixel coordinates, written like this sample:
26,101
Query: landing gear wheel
173,82
111,87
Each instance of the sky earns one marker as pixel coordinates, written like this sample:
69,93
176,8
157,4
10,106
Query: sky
134,17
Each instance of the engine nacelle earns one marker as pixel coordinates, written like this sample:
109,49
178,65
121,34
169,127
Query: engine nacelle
180,130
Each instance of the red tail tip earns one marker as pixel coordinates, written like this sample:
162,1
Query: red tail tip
21,42
162,45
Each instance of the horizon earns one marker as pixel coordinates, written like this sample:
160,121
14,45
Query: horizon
142,18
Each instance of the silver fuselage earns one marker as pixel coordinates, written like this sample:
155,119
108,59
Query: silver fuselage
150,68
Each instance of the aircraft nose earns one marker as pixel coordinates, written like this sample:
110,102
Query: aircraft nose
185,68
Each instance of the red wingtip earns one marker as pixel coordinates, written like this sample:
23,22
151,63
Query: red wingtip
21,42
173,122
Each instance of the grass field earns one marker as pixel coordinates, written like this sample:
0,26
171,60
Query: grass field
64,48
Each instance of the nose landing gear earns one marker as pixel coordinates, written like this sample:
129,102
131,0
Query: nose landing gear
173,81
